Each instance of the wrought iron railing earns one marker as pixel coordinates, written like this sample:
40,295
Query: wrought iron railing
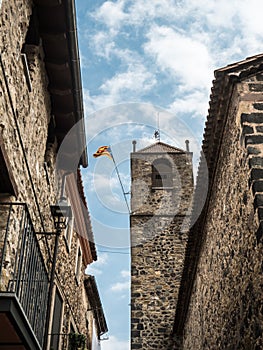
22,267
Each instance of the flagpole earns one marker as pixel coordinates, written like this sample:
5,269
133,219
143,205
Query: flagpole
117,171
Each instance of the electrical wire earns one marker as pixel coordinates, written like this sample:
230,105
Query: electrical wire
113,252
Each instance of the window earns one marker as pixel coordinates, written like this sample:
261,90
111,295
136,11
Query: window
162,174
78,263
7,180
69,230
56,322
32,40
72,330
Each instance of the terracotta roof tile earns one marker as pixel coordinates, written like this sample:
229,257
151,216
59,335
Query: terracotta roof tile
87,216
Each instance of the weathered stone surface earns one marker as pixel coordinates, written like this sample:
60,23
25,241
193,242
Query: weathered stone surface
247,130
158,239
258,106
225,308
257,186
256,118
256,174
259,128
256,162
253,150
24,128
253,139
256,87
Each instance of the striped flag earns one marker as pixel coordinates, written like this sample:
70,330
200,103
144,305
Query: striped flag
103,151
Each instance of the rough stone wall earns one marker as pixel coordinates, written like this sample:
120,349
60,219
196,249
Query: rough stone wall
146,200
158,244
156,273
24,129
24,120
226,305
75,307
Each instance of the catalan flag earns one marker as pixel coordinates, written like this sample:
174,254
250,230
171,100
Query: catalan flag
103,151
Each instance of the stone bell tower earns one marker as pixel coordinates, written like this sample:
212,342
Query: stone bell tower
161,193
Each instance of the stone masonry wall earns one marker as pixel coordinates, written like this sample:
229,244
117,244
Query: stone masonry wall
156,273
29,125
75,309
24,118
172,201
226,305
158,243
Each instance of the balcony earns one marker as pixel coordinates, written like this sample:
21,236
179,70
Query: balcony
24,281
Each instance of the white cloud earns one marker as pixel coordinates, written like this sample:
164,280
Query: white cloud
126,86
195,103
95,268
104,182
186,58
250,12
216,13
141,12
103,44
251,26
136,12
115,344
111,13
136,79
106,187
108,122
120,286
125,273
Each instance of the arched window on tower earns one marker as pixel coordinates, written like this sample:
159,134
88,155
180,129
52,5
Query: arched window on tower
162,174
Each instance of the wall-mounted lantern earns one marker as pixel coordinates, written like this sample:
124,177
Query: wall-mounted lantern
60,213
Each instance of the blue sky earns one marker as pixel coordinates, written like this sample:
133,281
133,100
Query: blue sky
140,61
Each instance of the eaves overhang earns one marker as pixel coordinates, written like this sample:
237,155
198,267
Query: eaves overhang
58,32
95,304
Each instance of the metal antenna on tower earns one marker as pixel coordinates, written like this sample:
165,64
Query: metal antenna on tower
157,134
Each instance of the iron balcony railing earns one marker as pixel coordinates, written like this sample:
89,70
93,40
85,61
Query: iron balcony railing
22,268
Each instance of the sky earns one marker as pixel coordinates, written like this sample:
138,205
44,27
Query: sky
147,64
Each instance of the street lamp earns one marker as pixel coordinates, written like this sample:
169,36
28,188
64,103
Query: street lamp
60,213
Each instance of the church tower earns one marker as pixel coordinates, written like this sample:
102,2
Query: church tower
161,193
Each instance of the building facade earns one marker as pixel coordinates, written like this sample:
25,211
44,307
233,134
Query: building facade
220,298
44,299
162,187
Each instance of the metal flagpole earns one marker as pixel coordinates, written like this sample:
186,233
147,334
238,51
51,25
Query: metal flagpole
117,171
157,133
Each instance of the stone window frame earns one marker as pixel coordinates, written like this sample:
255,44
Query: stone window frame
78,262
58,292
7,177
157,177
68,233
